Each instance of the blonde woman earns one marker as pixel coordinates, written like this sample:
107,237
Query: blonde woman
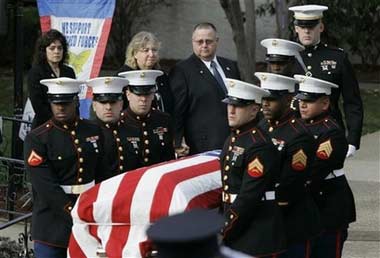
143,54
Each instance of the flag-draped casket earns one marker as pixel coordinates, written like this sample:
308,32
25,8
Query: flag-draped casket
115,214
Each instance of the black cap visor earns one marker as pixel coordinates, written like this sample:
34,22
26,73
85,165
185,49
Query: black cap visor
107,97
278,58
238,102
276,94
62,98
142,90
306,23
307,96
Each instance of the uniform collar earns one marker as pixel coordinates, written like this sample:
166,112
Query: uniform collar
107,125
284,118
130,113
245,127
66,126
317,119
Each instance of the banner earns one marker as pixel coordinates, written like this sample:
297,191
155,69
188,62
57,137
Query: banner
86,25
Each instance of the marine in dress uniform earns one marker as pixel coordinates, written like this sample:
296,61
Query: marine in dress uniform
282,55
297,148
330,64
190,234
250,165
64,158
150,130
107,103
329,185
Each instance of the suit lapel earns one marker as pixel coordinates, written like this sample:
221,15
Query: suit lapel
206,74
226,68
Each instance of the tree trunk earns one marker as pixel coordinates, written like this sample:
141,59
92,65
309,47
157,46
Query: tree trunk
235,18
250,31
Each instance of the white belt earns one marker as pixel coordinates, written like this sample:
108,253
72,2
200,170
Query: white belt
77,189
230,198
335,173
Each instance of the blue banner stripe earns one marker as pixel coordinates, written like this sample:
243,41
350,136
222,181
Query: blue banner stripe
98,9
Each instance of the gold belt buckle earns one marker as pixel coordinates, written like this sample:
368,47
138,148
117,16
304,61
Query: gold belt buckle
77,189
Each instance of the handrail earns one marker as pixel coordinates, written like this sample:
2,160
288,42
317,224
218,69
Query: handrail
15,221
15,119
18,161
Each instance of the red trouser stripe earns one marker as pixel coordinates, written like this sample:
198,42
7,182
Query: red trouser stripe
337,244
307,250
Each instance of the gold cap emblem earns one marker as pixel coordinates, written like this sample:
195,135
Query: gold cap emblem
274,43
142,75
107,80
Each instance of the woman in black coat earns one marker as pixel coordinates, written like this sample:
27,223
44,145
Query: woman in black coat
142,54
50,58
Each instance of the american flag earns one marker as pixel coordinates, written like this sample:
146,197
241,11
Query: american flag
115,214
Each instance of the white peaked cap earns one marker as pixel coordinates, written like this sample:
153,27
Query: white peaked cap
281,47
141,77
105,85
246,91
271,81
308,12
314,85
62,85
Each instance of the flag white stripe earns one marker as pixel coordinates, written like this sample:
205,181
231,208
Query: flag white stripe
143,197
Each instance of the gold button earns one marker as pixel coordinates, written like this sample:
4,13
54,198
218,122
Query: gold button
231,216
311,121
66,127
80,160
309,67
230,148
225,177
277,122
144,124
162,143
114,132
145,133
138,118
309,54
96,150
326,120
233,139
80,170
80,180
270,129
226,223
146,141
121,167
72,132
225,187
69,208
107,125
253,131
147,151
47,125
146,159
79,149
59,158
76,141
120,148
226,168
118,139
237,131
227,158
121,157
293,121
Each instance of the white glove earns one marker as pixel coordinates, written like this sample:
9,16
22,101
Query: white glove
351,151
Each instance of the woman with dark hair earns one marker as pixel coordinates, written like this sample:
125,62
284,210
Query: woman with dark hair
50,58
142,54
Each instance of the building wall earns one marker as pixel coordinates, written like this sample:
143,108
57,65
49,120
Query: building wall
174,24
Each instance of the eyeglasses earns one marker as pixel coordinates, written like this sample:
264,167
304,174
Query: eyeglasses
202,41
146,50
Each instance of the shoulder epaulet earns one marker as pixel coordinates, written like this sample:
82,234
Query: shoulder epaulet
43,128
333,48
331,123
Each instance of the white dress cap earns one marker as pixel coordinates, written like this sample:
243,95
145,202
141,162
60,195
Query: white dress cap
62,85
314,85
245,91
105,85
141,77
281,47
308,12
271,81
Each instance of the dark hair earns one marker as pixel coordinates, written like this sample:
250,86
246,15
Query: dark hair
204,25
44,41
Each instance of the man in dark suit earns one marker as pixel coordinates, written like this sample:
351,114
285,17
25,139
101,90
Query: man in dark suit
198,87
330,64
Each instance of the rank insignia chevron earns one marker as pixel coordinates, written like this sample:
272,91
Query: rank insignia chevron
299,160
255,168
34,159
324,150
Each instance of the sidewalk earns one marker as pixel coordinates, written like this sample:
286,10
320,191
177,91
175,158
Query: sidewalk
363,172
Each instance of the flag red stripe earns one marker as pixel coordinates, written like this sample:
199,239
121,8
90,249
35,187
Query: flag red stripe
75,250
98,58
208,200
168,182
121,212
45,22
